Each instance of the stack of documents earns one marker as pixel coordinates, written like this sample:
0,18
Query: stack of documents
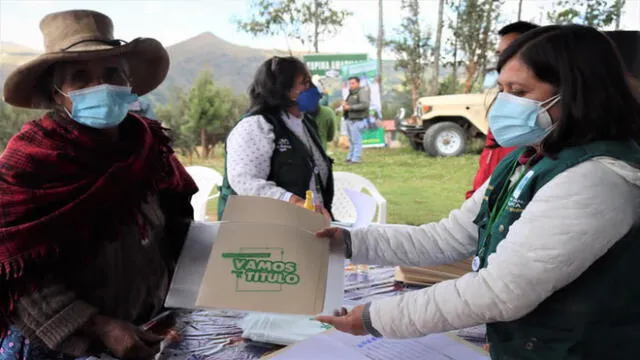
336,345
429,275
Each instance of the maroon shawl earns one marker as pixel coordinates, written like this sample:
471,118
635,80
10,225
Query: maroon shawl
64,188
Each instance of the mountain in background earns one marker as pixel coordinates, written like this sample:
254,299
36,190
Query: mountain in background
12,54
231,65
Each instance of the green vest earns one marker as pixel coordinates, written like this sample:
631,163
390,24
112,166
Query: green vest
292,163
597,316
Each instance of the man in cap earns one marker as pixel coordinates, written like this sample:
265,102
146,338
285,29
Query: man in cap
95,206
356,111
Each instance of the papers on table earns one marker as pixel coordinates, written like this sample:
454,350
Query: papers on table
280,329
429,275
336,345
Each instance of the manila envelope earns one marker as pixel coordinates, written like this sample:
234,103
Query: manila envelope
266,258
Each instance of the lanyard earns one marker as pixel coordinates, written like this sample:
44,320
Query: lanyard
500,206
312,162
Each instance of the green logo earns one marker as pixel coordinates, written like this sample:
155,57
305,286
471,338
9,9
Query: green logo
256,270
322,325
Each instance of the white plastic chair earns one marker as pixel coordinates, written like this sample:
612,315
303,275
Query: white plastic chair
207,179
342,207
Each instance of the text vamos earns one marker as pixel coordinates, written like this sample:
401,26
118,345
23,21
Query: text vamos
265,271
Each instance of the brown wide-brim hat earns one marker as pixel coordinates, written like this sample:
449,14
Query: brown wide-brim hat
84,35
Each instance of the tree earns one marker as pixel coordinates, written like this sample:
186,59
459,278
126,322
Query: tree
13,119
450,85
208,109
411,46
437,47
617,12
380,44
474,26
519,10
174,116
308,21
203,115
453,24
596,13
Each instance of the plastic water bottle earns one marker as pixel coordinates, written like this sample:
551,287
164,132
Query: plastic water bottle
350,271
363,276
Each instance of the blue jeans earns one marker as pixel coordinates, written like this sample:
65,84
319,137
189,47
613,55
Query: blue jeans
354,129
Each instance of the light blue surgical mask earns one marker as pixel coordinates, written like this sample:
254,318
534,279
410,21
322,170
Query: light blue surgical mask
100,107
518,121
490,79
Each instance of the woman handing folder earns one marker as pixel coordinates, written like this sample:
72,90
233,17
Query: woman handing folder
554,230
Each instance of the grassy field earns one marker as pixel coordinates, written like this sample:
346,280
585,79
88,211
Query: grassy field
418,188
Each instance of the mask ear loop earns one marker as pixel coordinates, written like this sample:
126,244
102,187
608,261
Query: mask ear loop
64,94
553,125
551,101
60,91
544,110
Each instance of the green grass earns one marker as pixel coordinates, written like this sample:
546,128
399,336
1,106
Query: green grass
418,188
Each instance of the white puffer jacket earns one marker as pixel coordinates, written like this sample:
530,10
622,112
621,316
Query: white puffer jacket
570,222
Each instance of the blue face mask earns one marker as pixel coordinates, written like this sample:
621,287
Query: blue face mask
308,100
490,79
101,107
518,121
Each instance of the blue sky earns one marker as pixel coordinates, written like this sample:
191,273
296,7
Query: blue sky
173,21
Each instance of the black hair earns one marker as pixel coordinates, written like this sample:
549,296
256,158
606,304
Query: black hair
583,65
628,44
357,79
272,84
518,27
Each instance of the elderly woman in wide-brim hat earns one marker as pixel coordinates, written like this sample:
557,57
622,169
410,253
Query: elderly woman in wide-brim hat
94,205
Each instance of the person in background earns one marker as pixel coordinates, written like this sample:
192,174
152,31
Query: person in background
493,153
325,121
274,150
324,118
95,206
356,111
324,100
372,120
556,229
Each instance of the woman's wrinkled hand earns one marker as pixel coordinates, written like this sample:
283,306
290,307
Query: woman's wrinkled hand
322,210
296,200
349,322
124,340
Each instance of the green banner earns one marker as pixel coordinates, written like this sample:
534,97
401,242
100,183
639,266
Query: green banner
373,138
368,69
331,64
